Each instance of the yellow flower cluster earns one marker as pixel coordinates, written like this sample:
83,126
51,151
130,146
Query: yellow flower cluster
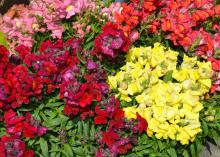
168,97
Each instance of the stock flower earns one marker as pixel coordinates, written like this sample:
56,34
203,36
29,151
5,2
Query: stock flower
110,42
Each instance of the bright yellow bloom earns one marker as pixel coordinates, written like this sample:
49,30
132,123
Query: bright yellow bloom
170,108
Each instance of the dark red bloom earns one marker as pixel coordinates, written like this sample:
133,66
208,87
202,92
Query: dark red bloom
23,51
29,153
141,125
4,53
110,42
124,148
11,146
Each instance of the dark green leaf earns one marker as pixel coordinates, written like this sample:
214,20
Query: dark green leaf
193,150
205,128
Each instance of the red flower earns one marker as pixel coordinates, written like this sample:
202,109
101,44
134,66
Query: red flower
11,119
29,153
124,148
109,138
11,146
17,125
110,42
85,100
142,124
4,53
100,120
215,64
29,130
23,51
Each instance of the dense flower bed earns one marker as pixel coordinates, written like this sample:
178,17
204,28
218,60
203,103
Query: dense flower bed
106,79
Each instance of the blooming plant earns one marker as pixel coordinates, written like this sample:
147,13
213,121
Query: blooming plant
107,79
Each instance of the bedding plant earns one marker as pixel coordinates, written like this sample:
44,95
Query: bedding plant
106,79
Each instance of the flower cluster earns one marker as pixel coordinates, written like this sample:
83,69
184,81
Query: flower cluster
80,95
170,108
182,22
110,42
17,127
112,138
21,22
12,146
134,13
17,83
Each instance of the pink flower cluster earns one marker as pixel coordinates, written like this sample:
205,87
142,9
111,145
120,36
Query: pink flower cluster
110,11
21,22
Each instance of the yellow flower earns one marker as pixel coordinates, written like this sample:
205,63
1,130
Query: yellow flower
180,75
130,112
170,108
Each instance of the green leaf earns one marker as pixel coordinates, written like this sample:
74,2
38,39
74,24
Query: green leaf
79,57
199,146
161,145
53,122
185,153
193,150
68,150
78,151
92,132
172,152
215,136
86,129
44,147
3,40
205,128
79,128
54,104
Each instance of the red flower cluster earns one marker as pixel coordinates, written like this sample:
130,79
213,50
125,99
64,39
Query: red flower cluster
80,95
13,147
17,83
182,22
110,42
134,13
113,117
26,125
42,69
